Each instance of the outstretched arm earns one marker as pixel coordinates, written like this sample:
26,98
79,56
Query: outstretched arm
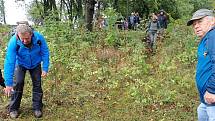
9,65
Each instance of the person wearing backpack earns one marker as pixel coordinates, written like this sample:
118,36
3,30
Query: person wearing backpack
153,29
27,51
13,30
203,23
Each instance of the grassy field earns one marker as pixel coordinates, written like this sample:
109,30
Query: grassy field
93,80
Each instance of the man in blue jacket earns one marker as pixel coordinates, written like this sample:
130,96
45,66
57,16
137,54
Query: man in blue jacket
203,22
26,51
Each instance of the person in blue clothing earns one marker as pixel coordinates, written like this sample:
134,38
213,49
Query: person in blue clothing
27,51
203,23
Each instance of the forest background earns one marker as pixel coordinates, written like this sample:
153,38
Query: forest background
107,74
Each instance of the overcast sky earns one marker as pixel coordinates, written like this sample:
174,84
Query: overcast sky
15,11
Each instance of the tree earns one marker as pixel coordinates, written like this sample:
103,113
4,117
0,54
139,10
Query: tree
36,12
197,4
89,14
85,9
50,6
2,12
79,8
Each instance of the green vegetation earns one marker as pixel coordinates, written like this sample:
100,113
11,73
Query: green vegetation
93,77
108,74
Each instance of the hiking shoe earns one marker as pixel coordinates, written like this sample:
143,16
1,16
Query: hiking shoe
38,113
14,114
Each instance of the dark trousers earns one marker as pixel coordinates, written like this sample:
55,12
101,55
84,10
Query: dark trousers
19,84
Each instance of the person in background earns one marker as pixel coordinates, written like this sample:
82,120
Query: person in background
203,23
162,18
136,21
125,24
102,21
153,29
26,50
131,21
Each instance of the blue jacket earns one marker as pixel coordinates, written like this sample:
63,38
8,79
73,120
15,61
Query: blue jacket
26,57
205,71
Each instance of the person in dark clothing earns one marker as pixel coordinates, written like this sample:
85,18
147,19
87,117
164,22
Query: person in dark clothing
162,18
136,21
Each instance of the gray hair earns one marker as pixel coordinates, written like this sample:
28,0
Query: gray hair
23,28
211,17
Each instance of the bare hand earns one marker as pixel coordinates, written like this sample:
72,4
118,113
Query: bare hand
8,90
44,74
209,97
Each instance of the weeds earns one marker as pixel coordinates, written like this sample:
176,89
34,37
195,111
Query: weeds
91,79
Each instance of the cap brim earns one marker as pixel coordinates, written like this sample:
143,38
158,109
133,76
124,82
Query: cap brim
190,22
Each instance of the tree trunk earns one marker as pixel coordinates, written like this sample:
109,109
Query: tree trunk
53,5
61,9
3,11
54,9
46,7
79,8
50,6
98,9
116,5
89,14
39,21
69,8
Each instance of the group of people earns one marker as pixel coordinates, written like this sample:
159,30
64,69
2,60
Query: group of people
130,23
203,24
156,26
28,51
133,21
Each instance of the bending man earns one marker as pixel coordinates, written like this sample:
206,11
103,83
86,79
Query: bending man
25,52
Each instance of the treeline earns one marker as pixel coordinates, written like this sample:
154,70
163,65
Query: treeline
88,10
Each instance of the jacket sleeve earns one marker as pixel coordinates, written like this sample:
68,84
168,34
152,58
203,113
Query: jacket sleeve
10,61
211,50
44,53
